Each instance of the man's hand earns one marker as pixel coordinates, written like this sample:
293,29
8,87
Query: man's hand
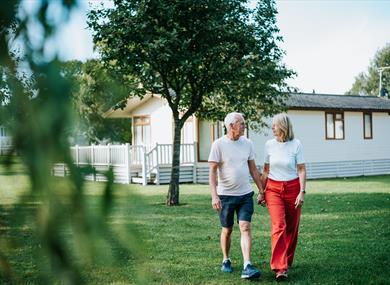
216,203
261,199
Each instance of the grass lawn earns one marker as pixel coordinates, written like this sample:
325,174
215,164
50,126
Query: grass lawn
344,235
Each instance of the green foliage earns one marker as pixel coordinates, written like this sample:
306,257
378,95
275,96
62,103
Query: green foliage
343,236
95,91
368,83
205,56
196,53
39,114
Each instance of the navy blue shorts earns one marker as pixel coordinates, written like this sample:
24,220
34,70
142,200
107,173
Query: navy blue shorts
242,205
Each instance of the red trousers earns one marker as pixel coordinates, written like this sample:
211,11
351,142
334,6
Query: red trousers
280,197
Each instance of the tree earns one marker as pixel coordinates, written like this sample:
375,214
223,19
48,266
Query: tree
368,83
202,56
65,233
95,90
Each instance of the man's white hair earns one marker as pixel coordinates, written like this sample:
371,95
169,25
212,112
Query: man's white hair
231,118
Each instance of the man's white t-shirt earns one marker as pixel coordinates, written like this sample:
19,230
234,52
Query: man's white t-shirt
283,158
233,170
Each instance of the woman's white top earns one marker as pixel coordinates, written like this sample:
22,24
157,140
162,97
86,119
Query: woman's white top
283,158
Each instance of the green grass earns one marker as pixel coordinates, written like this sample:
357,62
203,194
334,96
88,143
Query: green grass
344,234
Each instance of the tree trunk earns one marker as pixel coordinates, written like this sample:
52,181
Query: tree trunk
173,191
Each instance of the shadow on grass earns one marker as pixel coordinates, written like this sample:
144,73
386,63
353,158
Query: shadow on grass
21,247
346,203
344,239
165,205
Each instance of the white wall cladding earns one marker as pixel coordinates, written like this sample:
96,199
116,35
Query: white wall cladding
309,128
202,173
161,125
314,170
348,168
161,129
329,169
186,174
353,156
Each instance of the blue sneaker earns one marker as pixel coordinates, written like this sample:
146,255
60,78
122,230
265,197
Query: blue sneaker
250,272
227,266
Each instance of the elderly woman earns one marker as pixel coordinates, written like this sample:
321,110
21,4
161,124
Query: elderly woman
284,175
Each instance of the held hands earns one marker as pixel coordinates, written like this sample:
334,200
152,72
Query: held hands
261,199
216,203
300,199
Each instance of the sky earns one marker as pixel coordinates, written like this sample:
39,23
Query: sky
327,42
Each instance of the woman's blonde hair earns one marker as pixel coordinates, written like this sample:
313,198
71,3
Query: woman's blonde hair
285,125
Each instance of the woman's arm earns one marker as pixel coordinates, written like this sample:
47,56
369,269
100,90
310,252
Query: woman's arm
302,175
302,181
264,176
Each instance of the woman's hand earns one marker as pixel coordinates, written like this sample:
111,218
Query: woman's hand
300,199
261,199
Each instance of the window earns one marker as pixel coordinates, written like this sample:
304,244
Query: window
334,125
2,132
187,132
205,139
367,125
218,130
141,130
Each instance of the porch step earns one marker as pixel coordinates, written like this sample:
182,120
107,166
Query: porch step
139,180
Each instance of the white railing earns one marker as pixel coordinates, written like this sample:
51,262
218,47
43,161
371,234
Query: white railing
187,151
5,144
114,155
103,155
161,154
123,157
137,154
151,164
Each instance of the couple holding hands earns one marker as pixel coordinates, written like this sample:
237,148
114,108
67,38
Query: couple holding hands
281,188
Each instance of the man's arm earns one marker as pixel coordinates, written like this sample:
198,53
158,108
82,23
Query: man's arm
215,201
257,179
255,175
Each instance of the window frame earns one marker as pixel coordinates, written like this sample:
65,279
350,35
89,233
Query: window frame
334,113
364,126
142,124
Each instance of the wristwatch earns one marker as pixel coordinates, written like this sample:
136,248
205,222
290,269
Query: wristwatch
303,190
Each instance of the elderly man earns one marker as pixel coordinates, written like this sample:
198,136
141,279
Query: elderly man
233,157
